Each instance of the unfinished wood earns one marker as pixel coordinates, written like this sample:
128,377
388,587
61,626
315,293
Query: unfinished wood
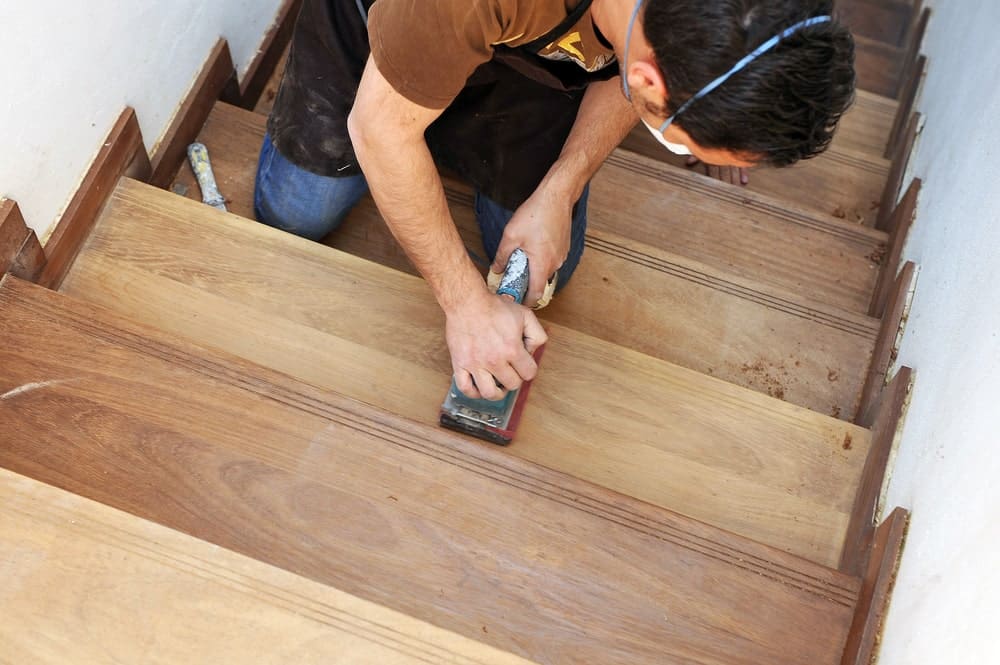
887,342
867,125
882,20
894,181
122,152
13,232
30,260
271,56
597,411
421,520
217,79
907,105
84,579
886,430
879,66
900,223
862,646
266,100
843,183
741,233
914,44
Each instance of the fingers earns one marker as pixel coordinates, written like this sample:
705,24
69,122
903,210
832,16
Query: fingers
504,251
744,177
534,334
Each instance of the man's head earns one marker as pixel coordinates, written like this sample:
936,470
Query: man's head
781,107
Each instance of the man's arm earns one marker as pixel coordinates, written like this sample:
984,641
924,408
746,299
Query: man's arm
541,226
487,335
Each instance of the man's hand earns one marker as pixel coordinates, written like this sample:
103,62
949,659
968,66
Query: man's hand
734,175
492,340
541,227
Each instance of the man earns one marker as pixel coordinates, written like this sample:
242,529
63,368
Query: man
525,99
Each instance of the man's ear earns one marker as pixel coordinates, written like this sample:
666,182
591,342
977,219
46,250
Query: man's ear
645,76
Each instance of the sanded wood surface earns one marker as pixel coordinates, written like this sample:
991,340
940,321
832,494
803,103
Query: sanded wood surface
844,183
894,182
598,411
867,125
900,223
882,20
13,232
879,66
741,233
416,518
88,584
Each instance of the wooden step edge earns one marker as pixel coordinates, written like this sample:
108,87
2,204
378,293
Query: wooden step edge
786,211
894,181
121,153
907,105
914,44
887,343
873,102
269,55
876,592
887,427
20,252
216,80
74,552
900,223
486,461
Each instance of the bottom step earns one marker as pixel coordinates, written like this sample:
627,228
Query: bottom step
411,517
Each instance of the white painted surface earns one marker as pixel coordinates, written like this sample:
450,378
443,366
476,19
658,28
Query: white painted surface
946,607
67,69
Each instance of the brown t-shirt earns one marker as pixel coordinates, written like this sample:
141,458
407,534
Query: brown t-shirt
427,49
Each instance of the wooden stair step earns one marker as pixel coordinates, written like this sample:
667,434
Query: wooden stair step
415,518
879,66
598,411
867,125
85,579
739,232
881,20
843,183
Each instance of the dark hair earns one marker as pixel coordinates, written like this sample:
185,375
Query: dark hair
785,105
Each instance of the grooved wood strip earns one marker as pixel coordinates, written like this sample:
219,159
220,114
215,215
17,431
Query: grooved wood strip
121,152
270,57
893,321
377,506
13,232
842,183
901,222
862,646
885,430
216,79
375,334
158,589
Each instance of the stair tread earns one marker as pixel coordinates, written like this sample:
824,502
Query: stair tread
412,517
154,585
867,124
739,232
598,411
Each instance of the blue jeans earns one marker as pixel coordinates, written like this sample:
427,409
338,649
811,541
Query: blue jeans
293,199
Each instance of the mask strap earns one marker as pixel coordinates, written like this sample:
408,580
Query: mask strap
739,66
628,40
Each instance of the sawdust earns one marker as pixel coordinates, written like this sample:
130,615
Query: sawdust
835,411
848,441
878,254
770,379
832,375
840,213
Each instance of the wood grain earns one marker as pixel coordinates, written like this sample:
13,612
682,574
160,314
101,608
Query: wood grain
121,153
270,57
882,20
216,80
84,579
900,223
867,125
598,411
13,232
862,646
423,521
894,182
879,66
907,105
265,102
843,183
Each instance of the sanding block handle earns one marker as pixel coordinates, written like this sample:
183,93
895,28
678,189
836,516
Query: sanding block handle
202,167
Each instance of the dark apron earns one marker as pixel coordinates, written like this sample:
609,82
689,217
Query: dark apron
502,132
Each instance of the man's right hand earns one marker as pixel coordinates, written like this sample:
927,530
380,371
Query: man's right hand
491,340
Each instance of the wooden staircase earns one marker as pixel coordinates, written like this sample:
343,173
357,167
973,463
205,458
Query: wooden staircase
234,427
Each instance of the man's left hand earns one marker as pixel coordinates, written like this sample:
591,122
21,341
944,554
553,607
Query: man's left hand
541,227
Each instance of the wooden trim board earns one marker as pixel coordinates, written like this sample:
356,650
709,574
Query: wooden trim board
216,80
122,153
424,521
88,583
886,429
886,344
278,36
900,224
894,181
20,252
880,577
907,105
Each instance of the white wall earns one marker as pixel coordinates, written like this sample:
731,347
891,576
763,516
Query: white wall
67,69
946,606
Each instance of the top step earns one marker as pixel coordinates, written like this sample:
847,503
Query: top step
421,520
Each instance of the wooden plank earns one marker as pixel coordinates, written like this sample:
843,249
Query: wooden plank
887,343
270,56
741,233
843,183
84,579
13,232
862,646
30,260
879,66
217,79
900,222
886,430
907,105
266,100
882,20
894,182
914,43
867,125
121,153
597,411
421,520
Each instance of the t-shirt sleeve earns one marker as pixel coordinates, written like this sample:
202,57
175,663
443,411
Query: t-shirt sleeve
427,49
